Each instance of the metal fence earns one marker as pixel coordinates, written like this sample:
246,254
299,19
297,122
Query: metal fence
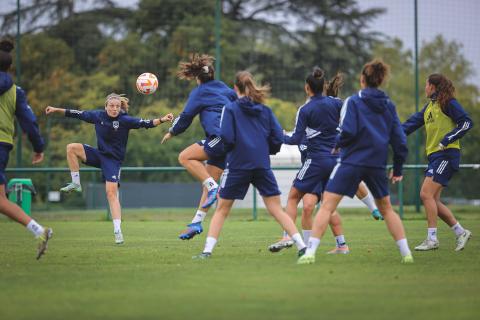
186,194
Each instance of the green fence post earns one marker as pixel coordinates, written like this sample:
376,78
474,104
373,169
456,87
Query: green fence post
218,15
18,151
400,198
254,203
417,133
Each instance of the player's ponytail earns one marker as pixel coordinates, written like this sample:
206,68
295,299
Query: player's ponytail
333,86
198,67
248,87
6,46
444,89
375,72
121,97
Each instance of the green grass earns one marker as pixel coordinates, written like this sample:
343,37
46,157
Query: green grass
85,276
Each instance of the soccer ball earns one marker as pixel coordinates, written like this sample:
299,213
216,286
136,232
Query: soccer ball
147,83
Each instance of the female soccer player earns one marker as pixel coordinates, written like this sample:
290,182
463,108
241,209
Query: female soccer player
317,123
250,133
368,124
207,99
445,123
112,126
13,103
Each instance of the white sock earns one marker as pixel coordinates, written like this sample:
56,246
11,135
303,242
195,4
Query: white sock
340,241
306,235
285,234
75,177
199,216
403,246
313,244
210,244
432,234
35,228
297,238
116,225
369,202
209,183
458,229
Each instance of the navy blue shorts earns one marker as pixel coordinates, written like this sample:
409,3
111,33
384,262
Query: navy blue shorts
4,153
235,183
345,179
442,166
213,147
110,167
314,174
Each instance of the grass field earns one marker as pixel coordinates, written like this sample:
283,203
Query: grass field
85,276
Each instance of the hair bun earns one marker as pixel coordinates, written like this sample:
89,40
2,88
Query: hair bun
318,73
6,45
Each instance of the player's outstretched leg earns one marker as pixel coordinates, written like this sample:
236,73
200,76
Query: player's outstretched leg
16,213
366,197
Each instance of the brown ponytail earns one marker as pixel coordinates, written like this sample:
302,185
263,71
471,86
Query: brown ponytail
443,88
199,67
333,86
247,86
375,72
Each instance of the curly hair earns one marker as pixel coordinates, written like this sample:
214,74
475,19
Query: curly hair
200,66
443,88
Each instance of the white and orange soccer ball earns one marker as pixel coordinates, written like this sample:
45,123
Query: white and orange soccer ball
147,83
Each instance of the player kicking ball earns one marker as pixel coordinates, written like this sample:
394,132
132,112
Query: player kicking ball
112,126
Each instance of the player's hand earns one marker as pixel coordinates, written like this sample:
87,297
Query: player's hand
167,118
166,137
49,110
393,178
37,158
441,146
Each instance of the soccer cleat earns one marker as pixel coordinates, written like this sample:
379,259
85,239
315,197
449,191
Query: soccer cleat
202,256
192,230
211,198
301,252
284,243
71,187
118,237
43,244
377,215
339,250
427,245
462,240
306,259
407,259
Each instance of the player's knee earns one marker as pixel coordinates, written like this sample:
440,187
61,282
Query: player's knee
182,158
70,147
425,195
308,208
111,194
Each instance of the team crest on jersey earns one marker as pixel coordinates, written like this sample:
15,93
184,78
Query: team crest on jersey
116,125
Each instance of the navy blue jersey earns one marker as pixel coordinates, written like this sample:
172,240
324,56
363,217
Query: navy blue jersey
317,122
368,124
250,132
112,133
208,100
